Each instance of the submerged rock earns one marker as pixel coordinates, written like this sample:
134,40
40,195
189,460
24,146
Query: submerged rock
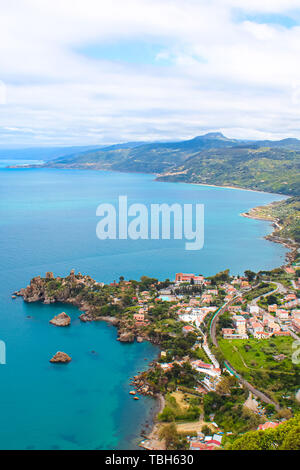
61,320
61,357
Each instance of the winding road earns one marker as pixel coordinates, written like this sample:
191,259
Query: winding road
213,334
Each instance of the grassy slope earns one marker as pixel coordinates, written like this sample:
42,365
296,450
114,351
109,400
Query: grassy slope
287,215
266,169
257,364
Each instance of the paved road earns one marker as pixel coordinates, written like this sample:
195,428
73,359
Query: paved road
250,387
279,288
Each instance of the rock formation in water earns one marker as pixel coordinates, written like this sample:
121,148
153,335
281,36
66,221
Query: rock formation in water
61,320
61,357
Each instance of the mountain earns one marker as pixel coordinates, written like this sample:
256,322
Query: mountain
212,158
146,158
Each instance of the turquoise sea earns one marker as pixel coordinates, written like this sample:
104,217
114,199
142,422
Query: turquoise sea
48,223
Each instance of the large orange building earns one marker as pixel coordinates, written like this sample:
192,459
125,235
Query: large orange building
181,277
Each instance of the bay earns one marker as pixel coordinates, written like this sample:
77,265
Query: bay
48,223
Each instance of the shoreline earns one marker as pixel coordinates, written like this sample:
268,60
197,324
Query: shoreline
291,245
152,441
239,188
12,167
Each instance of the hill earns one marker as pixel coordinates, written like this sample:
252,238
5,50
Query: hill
208,159
261,168
146,158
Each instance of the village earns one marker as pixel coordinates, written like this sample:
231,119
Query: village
256,319
225,363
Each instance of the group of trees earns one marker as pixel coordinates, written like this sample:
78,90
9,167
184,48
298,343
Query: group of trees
173,440
286,436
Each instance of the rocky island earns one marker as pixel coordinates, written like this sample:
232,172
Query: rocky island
61,357
61,320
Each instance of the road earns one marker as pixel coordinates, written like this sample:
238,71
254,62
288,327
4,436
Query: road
279,288
213,335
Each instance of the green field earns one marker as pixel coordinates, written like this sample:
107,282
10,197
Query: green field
254,360
258,354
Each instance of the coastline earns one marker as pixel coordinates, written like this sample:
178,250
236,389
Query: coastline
143,173
152,441
239,188
291,245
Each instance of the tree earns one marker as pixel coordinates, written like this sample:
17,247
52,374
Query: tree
250,275
173,440
286,436
270,409
292,440
205,430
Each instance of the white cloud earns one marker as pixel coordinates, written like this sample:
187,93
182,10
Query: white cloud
238,77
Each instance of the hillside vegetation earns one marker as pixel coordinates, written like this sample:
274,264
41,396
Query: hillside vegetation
209,159
285,213
261,168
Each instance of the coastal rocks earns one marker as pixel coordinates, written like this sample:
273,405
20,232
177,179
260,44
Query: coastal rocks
112,320
61,320
140,339
141,386
85,317
61,357
126,337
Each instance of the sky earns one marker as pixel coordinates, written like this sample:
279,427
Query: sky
89,72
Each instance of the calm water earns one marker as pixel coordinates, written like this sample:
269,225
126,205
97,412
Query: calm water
48,222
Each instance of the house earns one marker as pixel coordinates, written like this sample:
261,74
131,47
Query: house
206,298
296,324
181,277
139,317
215,440
267,425
272,308
201,446
245,284
240,324
289,270
282,314
227,332
187,329
289,297
296,313
261,335
253,309
273,327
279,357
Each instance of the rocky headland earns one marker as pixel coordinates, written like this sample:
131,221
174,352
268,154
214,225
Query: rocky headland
89,296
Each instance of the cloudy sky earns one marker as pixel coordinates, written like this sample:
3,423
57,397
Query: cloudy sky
76,72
